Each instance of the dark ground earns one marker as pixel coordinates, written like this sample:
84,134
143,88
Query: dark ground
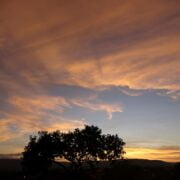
10,169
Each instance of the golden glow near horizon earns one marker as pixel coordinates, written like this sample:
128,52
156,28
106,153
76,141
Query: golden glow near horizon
168,154
111,63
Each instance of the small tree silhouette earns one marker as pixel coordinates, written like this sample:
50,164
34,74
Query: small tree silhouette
81,145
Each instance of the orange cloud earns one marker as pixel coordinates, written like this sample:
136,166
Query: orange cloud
138,48
36,104
28,123
29,114
5,133
35,113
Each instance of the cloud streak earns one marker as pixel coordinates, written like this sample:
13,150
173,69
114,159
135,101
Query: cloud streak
94,45
116,51
35,113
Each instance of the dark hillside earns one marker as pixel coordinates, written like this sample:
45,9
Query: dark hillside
133,169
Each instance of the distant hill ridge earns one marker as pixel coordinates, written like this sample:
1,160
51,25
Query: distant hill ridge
146,162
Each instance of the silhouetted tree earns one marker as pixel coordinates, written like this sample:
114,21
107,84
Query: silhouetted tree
81,145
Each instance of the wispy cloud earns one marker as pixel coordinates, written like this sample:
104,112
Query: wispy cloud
173,94
37,104
115,50
35,113
99,106
95,45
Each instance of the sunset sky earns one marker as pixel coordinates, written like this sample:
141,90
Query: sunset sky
110,63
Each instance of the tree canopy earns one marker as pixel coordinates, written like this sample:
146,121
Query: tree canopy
78,146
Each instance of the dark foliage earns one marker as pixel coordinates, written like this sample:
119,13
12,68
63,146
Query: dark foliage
86,145
41,151
112,147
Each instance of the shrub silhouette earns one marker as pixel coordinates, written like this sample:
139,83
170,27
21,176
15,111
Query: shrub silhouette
81,145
